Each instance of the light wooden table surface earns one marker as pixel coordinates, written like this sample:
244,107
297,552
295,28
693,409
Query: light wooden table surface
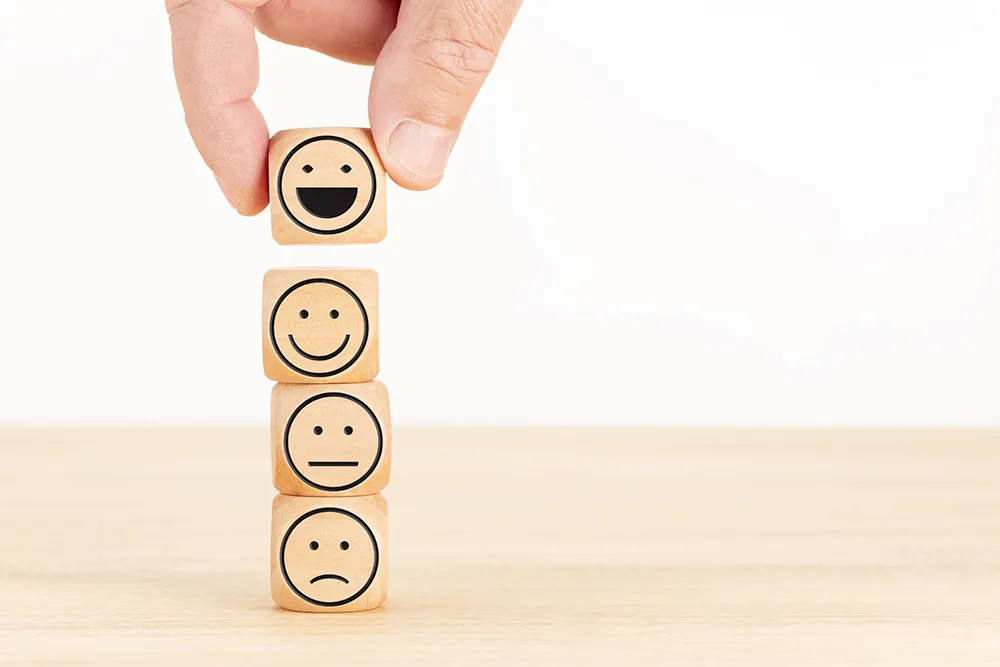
517,547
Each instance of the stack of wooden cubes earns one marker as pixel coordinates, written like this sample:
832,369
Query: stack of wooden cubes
330,428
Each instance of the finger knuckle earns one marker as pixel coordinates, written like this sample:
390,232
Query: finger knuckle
174,5
294,11
462,47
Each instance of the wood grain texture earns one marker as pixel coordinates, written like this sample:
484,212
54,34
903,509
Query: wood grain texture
517,546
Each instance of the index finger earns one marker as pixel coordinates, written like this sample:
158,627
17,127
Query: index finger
216,66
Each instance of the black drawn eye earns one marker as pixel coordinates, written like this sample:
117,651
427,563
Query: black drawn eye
314,545
318,430
344,546
348,430
334,314
308,168
303,314
346,169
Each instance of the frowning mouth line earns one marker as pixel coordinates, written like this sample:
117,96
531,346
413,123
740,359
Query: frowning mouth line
328,576
316,357
333,464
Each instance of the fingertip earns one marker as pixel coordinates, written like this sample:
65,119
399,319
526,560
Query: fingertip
246,202
415,153
254,205
246,199
249,212
234,145
406,181
420,153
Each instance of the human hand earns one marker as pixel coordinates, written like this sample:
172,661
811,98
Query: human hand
431,58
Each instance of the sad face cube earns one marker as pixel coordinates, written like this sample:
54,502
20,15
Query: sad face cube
328,554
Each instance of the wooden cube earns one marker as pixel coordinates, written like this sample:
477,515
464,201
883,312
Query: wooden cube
330,440
320,325
327,186
328,554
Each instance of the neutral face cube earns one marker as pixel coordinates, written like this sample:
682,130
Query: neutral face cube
327,186
320,325
328,554
330,440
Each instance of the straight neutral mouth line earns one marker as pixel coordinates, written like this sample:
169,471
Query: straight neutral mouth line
333,464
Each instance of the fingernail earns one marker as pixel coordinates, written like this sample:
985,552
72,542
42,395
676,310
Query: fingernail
230,197
421,149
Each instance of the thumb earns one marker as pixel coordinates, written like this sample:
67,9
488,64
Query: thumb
426,78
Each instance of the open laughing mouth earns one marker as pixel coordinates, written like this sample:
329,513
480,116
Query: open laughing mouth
327,203
328,576
317,357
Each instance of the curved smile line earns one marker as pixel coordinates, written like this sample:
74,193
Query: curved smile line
328,576
314,357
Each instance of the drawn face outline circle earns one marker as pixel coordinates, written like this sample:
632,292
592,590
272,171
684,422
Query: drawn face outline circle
281,180
284,569
378,431
274,339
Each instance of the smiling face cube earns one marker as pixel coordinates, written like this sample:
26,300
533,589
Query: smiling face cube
327,186
320,325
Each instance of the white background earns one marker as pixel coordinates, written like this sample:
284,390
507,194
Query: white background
708,212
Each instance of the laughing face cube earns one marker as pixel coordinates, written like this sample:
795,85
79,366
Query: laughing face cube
327,186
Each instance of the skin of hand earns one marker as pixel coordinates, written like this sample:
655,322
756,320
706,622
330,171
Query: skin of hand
431,57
